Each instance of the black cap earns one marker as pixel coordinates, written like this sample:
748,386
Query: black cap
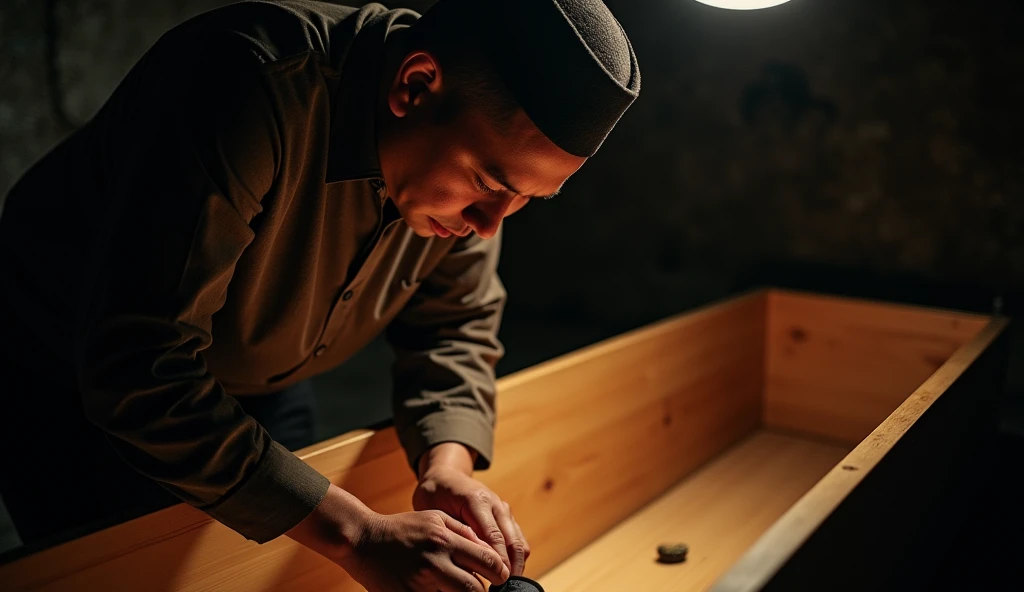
568,63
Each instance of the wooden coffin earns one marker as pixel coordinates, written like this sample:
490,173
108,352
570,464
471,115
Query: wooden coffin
794,441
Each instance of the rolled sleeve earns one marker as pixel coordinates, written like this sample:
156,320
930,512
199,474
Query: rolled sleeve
446,349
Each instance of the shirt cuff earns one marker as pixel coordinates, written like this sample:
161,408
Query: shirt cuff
280,493
454,424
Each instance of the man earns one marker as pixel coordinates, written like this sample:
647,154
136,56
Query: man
270,187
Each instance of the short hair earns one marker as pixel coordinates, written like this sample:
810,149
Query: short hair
471,78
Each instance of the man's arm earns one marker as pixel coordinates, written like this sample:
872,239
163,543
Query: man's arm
193,148
449,455
446,348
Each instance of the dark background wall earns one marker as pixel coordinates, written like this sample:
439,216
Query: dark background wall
881,134
871,144
877,134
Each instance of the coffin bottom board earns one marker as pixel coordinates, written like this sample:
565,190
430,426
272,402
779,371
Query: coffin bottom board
718,511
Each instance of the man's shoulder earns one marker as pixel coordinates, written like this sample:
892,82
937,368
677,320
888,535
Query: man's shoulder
279,29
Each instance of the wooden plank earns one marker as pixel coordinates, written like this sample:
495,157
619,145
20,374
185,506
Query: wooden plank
581,442
718,511
181,548
837,367
882,518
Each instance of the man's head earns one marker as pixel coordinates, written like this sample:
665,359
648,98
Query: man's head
473,127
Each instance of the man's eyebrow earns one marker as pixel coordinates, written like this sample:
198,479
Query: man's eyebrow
498,174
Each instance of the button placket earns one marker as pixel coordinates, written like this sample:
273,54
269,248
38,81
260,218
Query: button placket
341,310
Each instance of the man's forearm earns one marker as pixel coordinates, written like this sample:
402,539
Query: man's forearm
336,526
447,455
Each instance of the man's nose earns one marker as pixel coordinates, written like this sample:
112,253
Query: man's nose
485,217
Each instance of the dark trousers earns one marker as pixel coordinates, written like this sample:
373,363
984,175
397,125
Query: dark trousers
60,479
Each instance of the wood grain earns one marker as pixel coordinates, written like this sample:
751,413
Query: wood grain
838,367
582,442
881,518
719,511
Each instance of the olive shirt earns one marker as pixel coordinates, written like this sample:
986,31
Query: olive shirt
220,228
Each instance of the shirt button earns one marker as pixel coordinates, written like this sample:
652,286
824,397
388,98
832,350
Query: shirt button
320,351
347,295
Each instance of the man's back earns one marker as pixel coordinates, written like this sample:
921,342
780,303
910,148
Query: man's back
249,75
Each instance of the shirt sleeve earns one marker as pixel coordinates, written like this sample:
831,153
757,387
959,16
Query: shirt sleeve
193,148
446,349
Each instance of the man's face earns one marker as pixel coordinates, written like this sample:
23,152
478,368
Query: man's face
460,174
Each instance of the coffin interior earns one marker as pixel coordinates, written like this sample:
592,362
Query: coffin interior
703,428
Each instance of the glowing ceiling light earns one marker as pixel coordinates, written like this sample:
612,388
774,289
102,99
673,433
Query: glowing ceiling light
743,4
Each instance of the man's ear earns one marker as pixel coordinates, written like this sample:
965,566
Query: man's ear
417,81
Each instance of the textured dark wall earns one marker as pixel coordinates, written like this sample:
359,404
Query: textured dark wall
874,133
882,134
60,59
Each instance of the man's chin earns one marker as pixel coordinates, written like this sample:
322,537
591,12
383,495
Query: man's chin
420,225
423,228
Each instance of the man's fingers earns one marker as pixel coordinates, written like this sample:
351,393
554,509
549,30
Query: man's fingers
480,559
481,518
516,544
462,529
452,578
519,531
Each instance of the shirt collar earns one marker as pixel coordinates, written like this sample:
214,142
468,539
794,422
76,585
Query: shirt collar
352,152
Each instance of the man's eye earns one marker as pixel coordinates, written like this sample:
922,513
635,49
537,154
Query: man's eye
482,186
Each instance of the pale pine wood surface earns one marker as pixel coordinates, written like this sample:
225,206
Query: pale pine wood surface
584,440
838,367
719,511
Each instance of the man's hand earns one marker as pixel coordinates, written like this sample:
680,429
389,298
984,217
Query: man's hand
446,483
425,551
